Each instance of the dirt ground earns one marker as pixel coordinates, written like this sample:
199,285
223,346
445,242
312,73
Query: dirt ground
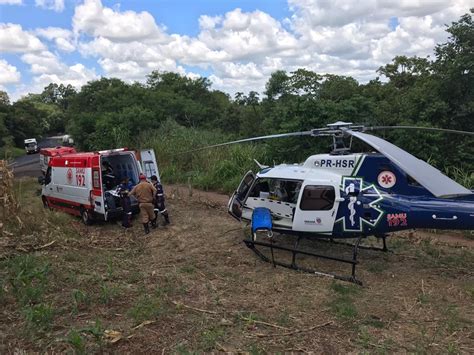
194,286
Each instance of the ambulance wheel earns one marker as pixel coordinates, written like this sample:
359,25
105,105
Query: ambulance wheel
86,217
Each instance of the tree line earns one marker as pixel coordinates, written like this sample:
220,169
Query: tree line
107,113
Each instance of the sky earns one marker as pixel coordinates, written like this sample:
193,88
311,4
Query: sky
236,44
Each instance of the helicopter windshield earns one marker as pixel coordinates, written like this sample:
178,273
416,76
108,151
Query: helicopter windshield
277,189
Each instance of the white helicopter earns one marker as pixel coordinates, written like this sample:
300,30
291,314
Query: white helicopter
347,195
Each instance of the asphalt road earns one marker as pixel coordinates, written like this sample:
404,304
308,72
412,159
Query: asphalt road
28,164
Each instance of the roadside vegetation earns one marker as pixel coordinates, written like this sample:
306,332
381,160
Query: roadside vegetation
173,113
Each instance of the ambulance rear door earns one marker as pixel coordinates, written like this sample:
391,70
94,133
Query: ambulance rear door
149,165
96,192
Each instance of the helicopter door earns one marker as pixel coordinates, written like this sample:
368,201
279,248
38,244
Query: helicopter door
149,165
316,209
237,200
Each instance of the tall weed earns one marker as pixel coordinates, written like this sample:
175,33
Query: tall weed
219,168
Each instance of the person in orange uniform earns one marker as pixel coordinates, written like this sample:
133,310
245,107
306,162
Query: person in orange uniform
145,193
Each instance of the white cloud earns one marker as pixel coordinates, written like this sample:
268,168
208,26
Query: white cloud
76,75
240,49
134,71
355,38
338,13
11,2
56,5
245,35
8,73
95,20
48,67
131,60
63,38
13,39
43,62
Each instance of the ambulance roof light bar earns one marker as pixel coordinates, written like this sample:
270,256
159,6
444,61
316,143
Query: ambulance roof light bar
110,151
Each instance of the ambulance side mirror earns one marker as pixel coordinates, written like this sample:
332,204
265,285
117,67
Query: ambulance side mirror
41,180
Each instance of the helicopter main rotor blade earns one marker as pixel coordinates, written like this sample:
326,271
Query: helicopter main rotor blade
271,136
426,175
420,128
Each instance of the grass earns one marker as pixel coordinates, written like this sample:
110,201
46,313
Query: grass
8,153
77,341
39,315
214,169
364,338
462,175
99,278
188,269
80,300
247,318
210,337
256,349
436,256
374,322
469,289
146,307
28,277
454,320
107,292
80,339
342,304
377,267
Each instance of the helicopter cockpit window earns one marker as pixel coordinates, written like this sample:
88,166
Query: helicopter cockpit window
412,182
318,198
277,189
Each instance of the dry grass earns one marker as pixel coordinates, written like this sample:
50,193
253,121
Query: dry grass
8,204
194,287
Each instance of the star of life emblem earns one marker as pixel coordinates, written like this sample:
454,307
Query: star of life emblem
354,216
69,176
387,179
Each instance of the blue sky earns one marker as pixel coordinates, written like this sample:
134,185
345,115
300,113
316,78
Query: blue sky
237,44
178,15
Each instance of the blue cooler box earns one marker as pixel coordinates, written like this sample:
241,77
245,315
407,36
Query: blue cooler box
261,219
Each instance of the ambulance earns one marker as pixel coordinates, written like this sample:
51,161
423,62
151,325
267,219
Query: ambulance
47,153
85,184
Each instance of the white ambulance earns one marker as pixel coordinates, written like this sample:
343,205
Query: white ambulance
85,184
47,153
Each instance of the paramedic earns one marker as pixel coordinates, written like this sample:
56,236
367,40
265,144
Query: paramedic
108,176
123,191
145,193
159,201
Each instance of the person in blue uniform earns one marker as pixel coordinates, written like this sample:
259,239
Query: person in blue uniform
123,191
159,201
108,176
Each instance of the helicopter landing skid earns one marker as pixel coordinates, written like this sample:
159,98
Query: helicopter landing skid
364,247
252,243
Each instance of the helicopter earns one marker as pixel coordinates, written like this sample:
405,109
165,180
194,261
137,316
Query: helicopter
346,195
